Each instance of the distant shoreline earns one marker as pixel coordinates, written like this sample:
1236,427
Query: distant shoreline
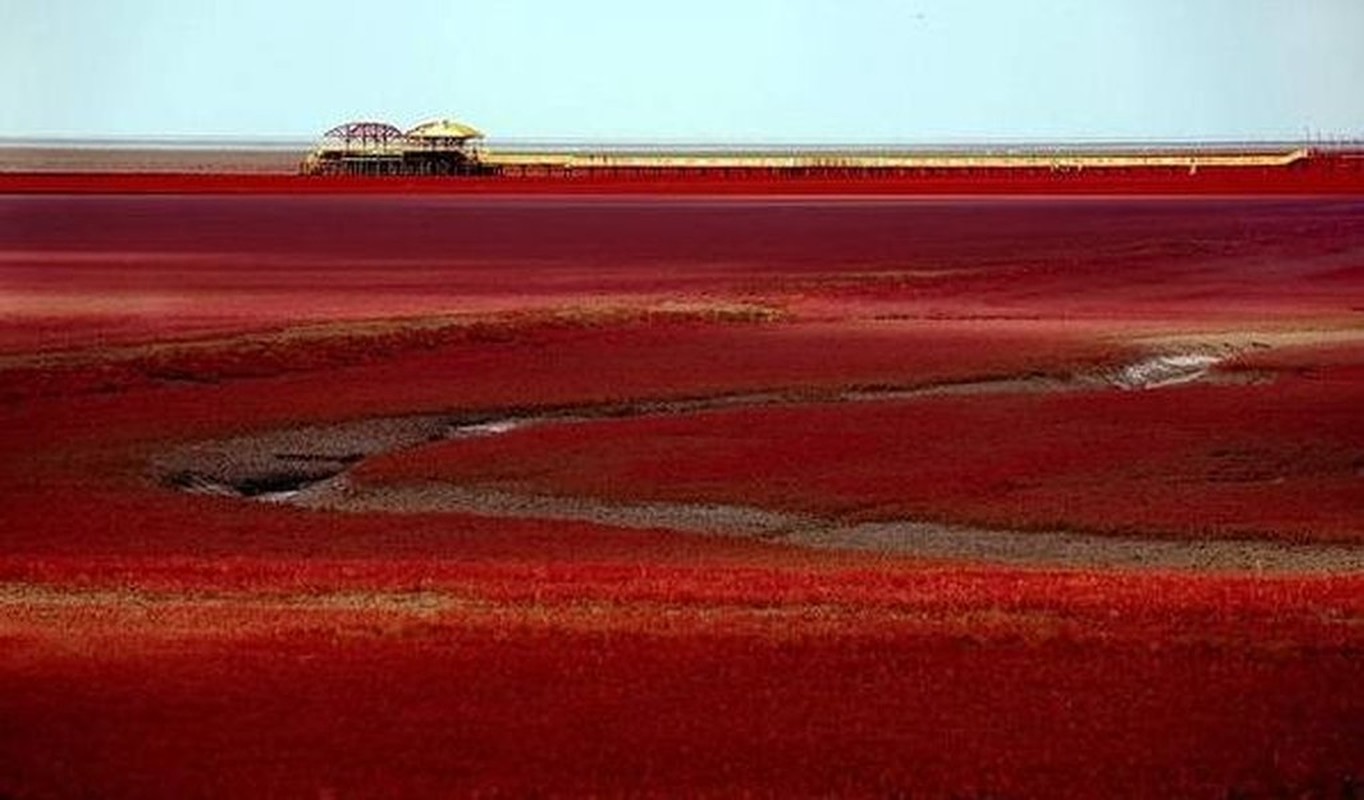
91,159
1033,183
282,156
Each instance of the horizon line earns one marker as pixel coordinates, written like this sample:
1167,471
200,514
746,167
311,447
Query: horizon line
249,142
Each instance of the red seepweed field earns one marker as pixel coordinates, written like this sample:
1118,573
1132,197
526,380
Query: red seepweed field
625,552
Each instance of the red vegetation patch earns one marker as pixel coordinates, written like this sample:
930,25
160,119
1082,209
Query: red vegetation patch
788,680
420,710
89,271
162,644
520,362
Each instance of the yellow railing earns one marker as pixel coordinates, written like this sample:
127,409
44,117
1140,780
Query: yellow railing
1190,160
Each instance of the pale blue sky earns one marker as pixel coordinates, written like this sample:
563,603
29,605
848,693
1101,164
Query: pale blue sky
699,70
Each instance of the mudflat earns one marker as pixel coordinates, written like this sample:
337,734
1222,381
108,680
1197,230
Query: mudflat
713,478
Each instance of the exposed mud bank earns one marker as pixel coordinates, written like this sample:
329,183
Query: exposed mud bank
905,537
306,467
268,464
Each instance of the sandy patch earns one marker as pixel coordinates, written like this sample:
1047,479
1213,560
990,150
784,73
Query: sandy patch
918,539
1248,339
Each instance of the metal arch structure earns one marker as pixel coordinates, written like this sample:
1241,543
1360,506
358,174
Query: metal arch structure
365,133
367,147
